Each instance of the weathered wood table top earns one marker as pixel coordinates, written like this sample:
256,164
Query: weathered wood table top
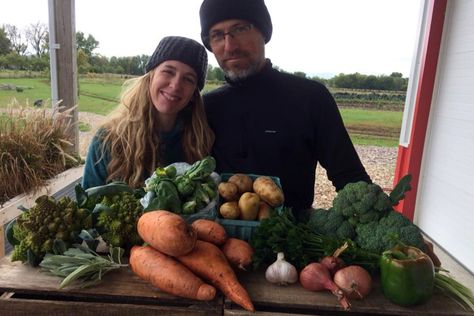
294,299
28,291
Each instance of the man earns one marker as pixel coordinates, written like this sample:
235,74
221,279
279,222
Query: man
267,122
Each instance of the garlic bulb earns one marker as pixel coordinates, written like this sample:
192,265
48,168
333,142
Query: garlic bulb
281,271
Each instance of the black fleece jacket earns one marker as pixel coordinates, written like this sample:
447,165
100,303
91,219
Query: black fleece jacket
282,125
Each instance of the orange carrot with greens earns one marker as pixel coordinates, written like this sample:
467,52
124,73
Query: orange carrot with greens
168,275
207,261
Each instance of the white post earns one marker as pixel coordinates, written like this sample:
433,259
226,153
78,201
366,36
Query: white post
53,46
412,89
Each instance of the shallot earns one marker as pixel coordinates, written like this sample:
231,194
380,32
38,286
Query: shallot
354,281
334,262
316,277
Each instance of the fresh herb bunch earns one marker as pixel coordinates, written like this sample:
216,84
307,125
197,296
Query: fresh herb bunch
301,246
82,264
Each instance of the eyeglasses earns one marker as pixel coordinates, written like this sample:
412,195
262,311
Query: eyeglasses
237,31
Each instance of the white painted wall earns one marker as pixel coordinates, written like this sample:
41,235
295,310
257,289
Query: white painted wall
445,200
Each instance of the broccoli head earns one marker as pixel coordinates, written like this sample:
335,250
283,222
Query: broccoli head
362,202
117,220
48,220
386,233
331,223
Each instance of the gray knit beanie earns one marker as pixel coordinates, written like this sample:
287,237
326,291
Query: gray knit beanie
254,11
182,49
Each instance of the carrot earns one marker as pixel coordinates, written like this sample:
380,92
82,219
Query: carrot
168,275
238,252
210,231
208,262
166,232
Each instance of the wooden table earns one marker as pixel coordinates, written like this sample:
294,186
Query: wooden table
28,291
278,300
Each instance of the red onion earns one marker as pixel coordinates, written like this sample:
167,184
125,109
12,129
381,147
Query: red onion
354,281
316,277
332,263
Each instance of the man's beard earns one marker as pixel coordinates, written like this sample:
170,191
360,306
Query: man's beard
237,74
241,74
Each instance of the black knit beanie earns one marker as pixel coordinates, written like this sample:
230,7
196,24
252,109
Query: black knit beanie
254,11
182,49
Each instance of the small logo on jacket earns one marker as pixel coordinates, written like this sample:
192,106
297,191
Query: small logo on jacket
269,131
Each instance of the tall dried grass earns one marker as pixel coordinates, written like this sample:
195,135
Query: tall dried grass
34,147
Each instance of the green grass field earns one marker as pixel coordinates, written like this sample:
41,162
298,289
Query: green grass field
99,94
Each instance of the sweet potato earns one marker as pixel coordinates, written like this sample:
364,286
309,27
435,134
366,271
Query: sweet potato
168,275
238,252
268,191
210,231
209,262
166,232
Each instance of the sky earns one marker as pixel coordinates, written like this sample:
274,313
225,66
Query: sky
317,37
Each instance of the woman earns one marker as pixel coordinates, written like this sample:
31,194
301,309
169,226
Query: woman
160,118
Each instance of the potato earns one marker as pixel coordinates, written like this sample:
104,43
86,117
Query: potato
248,205
264,210
229,191
242,181
230,210
268,191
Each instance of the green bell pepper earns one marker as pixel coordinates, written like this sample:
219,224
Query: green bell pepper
407,275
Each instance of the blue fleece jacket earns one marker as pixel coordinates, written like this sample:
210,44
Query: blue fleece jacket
95,169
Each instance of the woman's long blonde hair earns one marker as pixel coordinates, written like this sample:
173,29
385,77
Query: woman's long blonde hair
131,134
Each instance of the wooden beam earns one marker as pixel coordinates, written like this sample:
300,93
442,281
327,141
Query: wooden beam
64,31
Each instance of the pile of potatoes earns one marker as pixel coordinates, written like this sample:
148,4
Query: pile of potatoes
248,199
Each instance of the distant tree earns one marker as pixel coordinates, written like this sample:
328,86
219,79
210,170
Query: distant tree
300,74
320,79
37,37
99,64
83,65
368,82
17,43
87,44
14,61
38,63
142,60
215,73
5,43
394,82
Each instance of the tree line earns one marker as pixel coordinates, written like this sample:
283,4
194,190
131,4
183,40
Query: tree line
28,50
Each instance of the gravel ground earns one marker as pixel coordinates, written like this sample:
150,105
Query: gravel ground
378,161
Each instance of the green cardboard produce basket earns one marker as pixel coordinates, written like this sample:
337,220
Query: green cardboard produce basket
241,229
